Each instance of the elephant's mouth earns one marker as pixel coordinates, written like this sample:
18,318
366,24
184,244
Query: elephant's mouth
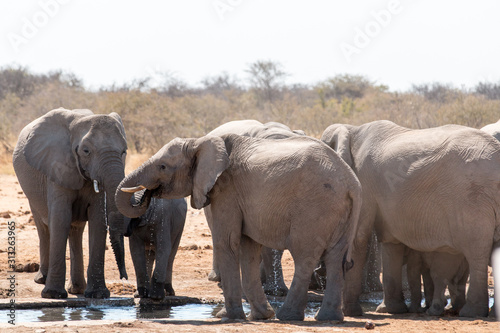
144,199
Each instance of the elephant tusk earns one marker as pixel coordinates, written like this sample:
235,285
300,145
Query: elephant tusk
96,186
132,189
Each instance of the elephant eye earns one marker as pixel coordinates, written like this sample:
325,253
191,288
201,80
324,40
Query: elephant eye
86,151
163,166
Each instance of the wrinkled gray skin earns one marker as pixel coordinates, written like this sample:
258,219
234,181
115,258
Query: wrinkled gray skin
271,271
493,129
432,190
57,159
444,270
154,239
294,194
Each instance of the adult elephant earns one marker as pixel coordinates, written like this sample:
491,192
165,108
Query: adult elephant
293,193
434,189
154,238
271,270
493,129
69,164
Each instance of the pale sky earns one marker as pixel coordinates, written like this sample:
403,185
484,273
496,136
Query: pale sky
392,42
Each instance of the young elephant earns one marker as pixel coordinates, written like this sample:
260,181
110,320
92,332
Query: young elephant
444,269
154,238
270,268
294,193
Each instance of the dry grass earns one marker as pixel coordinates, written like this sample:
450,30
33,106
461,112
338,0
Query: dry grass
134,161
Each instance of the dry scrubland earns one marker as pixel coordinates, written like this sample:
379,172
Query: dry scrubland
153,115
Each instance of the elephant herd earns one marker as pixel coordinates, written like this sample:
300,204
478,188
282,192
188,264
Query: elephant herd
431,196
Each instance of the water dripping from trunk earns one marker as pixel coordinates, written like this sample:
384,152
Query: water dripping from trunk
106,212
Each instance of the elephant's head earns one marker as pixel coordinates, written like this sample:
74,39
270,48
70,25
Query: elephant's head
338,137
181,168
79,148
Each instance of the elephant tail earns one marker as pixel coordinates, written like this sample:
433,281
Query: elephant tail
353,224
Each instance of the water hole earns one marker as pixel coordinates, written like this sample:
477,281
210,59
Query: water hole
148,311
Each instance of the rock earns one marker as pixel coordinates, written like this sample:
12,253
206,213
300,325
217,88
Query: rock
369,325
31,267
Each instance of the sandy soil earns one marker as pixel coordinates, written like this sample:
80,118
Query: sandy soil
193,262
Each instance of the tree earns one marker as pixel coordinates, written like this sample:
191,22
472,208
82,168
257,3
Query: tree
266,77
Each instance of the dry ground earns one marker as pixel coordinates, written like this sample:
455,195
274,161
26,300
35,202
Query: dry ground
193,262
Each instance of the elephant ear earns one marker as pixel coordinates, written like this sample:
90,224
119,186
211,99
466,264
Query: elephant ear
339,139
48,148
211,160
119,119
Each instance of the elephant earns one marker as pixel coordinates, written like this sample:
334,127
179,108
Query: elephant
435,189
443,269
271,270
154,238
493,129
293,193
69,164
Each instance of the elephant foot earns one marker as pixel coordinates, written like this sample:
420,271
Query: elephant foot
330,315
52,293
435,310
392,308
97,293
76,289
415,308
235,313
473,311
40,278
157,290
141,292
288,314
169,291
352,309
214,276
262,315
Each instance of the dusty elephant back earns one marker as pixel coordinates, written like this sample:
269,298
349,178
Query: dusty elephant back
439,174
279,171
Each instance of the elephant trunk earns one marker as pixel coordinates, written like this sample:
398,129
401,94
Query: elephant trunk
124,201
115,220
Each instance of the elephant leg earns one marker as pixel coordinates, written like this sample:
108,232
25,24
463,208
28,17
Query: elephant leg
137,251
44,242
414,267
438,299
457,291
76,284
428,287
353,279
226,233
249,261
392,262
176,239
296,300
274,283
214,274
96,286
477,294
60,215
162,254
331,307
